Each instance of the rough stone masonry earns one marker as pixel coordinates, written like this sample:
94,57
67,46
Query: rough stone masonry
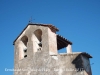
36,53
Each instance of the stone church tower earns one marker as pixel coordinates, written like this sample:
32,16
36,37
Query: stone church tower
36,53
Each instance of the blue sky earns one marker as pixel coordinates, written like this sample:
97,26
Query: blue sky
77,20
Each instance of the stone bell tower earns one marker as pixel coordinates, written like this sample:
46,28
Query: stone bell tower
36,53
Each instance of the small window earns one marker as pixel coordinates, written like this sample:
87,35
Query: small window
25,50
40,44
25,56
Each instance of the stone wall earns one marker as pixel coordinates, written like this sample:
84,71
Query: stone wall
47,61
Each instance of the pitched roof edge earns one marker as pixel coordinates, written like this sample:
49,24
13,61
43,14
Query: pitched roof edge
40,24
34,24
59,36
86,54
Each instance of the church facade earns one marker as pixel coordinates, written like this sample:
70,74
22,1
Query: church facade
36,53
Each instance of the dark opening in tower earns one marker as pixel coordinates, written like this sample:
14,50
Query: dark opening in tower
23,47
38,39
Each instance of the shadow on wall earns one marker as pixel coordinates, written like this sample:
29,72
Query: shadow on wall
82,63
78,63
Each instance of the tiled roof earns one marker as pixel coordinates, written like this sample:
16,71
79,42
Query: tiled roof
62,42
86,54
53,28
